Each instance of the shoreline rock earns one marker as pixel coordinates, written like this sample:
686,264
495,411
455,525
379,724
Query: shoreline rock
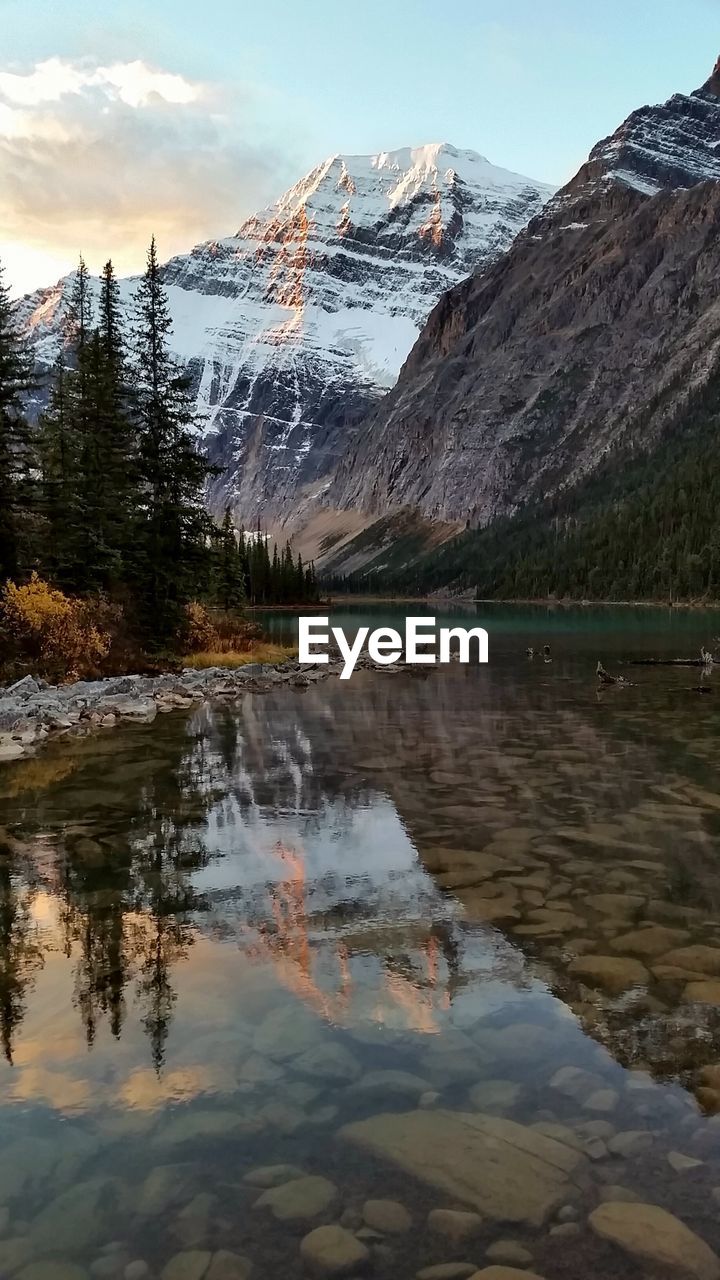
33,712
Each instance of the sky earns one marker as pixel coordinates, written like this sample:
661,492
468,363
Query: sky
180,118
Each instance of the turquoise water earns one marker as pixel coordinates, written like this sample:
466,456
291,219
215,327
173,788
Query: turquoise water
451,941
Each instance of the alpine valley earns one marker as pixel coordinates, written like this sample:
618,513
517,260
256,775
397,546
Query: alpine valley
561,403
295,327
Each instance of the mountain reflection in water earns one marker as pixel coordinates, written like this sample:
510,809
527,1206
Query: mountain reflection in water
475,882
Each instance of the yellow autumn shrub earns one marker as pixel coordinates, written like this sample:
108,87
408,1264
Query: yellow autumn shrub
53,631
201,633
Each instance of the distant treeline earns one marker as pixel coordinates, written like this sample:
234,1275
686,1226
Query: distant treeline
105,493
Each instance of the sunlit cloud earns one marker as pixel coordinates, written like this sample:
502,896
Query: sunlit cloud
134,83
98,158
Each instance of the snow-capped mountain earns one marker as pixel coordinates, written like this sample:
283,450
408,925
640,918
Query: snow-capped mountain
296,325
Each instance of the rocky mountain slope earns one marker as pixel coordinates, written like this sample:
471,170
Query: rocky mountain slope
590,332
294,327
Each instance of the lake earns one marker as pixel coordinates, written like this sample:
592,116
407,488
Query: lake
433,958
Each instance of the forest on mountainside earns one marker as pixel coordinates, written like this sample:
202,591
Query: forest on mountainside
644,526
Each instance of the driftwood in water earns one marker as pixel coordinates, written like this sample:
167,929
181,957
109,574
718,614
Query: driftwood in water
605,678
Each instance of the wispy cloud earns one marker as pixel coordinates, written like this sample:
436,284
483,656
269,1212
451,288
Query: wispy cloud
97,158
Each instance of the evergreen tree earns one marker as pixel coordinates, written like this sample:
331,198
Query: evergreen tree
173,529
79,317
58,471
230,573
108,466
15,444
87,447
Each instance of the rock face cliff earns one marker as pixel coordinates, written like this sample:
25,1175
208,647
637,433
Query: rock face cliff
589,332
294,327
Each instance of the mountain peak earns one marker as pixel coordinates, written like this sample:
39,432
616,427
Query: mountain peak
713,84
368,187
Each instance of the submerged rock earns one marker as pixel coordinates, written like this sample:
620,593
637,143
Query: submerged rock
388,1216
229,1266
191,1125
190,1265
495,1096
286,1032
629,1143
383,1084
333,1251
80,1217
331,1062
613,973
517,1042
707,992
273,1175
164,1187
510,1252
682,1163
698,959
649,942
138,1269
576,1083
24,1164
507,1171
300,1199
648,1232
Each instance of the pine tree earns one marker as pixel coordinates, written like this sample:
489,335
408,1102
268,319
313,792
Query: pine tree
58,471
15,444
230,575
110,473
173,529
67,450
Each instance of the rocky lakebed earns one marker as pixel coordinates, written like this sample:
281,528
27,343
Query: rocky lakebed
408,979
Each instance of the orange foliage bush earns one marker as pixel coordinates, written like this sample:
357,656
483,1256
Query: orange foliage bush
56,633
201,632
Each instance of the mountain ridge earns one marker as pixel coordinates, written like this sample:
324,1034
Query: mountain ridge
529,372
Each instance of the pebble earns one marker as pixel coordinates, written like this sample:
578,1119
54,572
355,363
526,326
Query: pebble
509,1251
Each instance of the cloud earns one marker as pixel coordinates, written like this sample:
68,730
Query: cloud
98,158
